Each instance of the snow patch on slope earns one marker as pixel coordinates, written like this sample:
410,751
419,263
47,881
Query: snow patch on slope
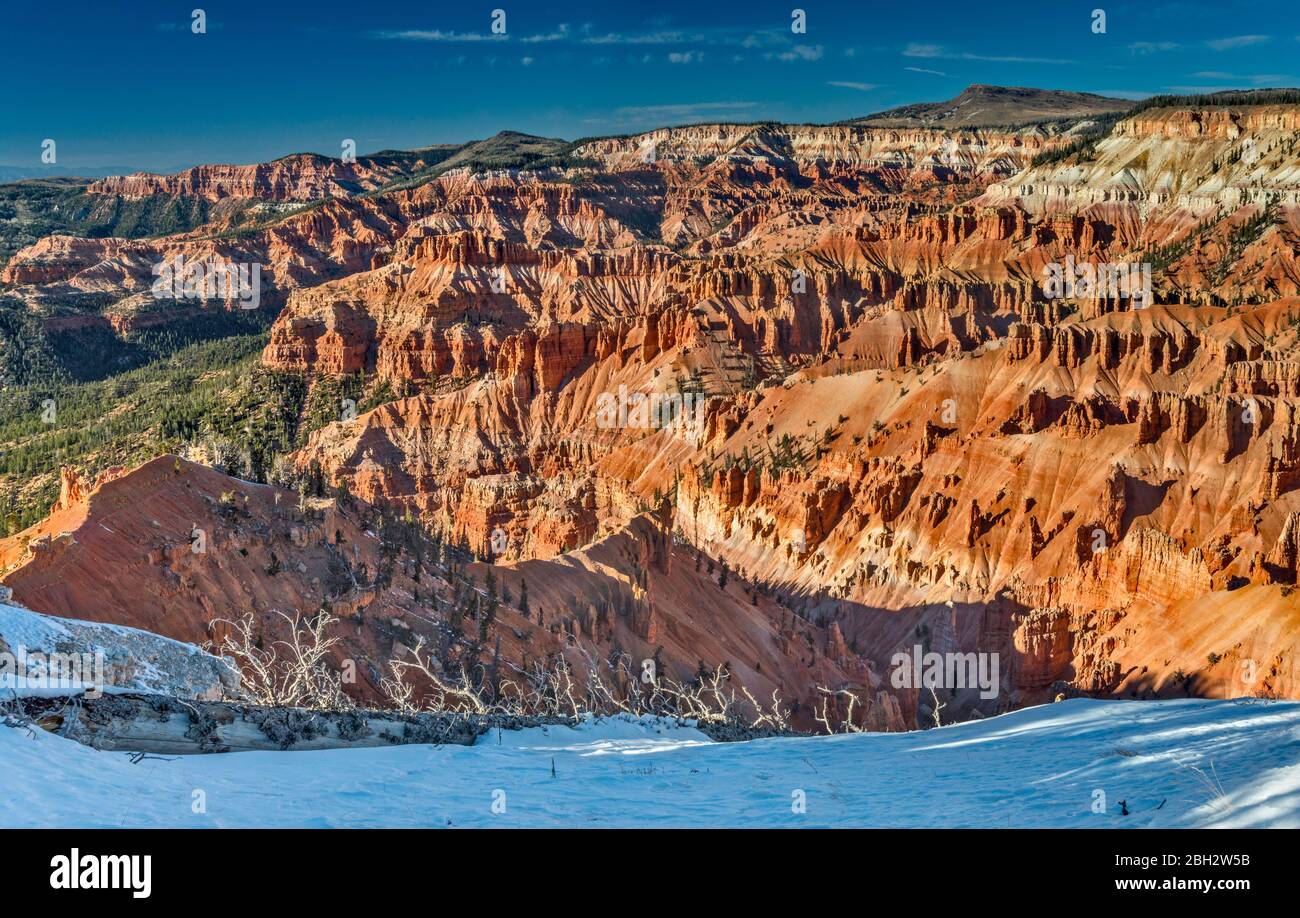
131,659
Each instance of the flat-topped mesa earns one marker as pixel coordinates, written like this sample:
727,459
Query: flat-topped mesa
996,107
1170,161
301,177
1214,123
968,153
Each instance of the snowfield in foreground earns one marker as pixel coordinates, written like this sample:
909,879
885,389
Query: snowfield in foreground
1173,763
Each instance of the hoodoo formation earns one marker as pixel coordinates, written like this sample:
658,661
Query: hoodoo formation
902,438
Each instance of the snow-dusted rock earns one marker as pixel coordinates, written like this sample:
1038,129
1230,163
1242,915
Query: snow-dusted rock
42,654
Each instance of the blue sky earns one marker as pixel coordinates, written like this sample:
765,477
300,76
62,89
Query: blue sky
136,87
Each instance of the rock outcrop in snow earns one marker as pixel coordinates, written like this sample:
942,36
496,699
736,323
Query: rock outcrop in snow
42,654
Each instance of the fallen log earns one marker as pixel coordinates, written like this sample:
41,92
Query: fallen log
162,725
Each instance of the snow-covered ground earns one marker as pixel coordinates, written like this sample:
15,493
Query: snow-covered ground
1173,763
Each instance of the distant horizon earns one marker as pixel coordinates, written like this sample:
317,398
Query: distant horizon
101,170
139,89
98,171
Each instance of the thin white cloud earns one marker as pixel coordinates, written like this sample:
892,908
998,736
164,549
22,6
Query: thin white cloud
1012,59
681,110
916,49
685,57
765,38
801,53
1151,47
1236,41
438,35
861,87
926,70
562,33
645,38
1259,79
1216,44
777,41
1205,89
1134,94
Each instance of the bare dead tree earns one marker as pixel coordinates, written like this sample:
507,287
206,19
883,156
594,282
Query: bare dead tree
442,694
288,673
936,707
775,718
13,716
844,724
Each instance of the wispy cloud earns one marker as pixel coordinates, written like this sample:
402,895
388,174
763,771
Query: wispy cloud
926,70
861,87
1123,93
764,38
1258,79
778,44
1151,47
645,38
800,53
917,49
657,116
1215,44
1203,89
1236,41
683,109
438,35
914,49
562,33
